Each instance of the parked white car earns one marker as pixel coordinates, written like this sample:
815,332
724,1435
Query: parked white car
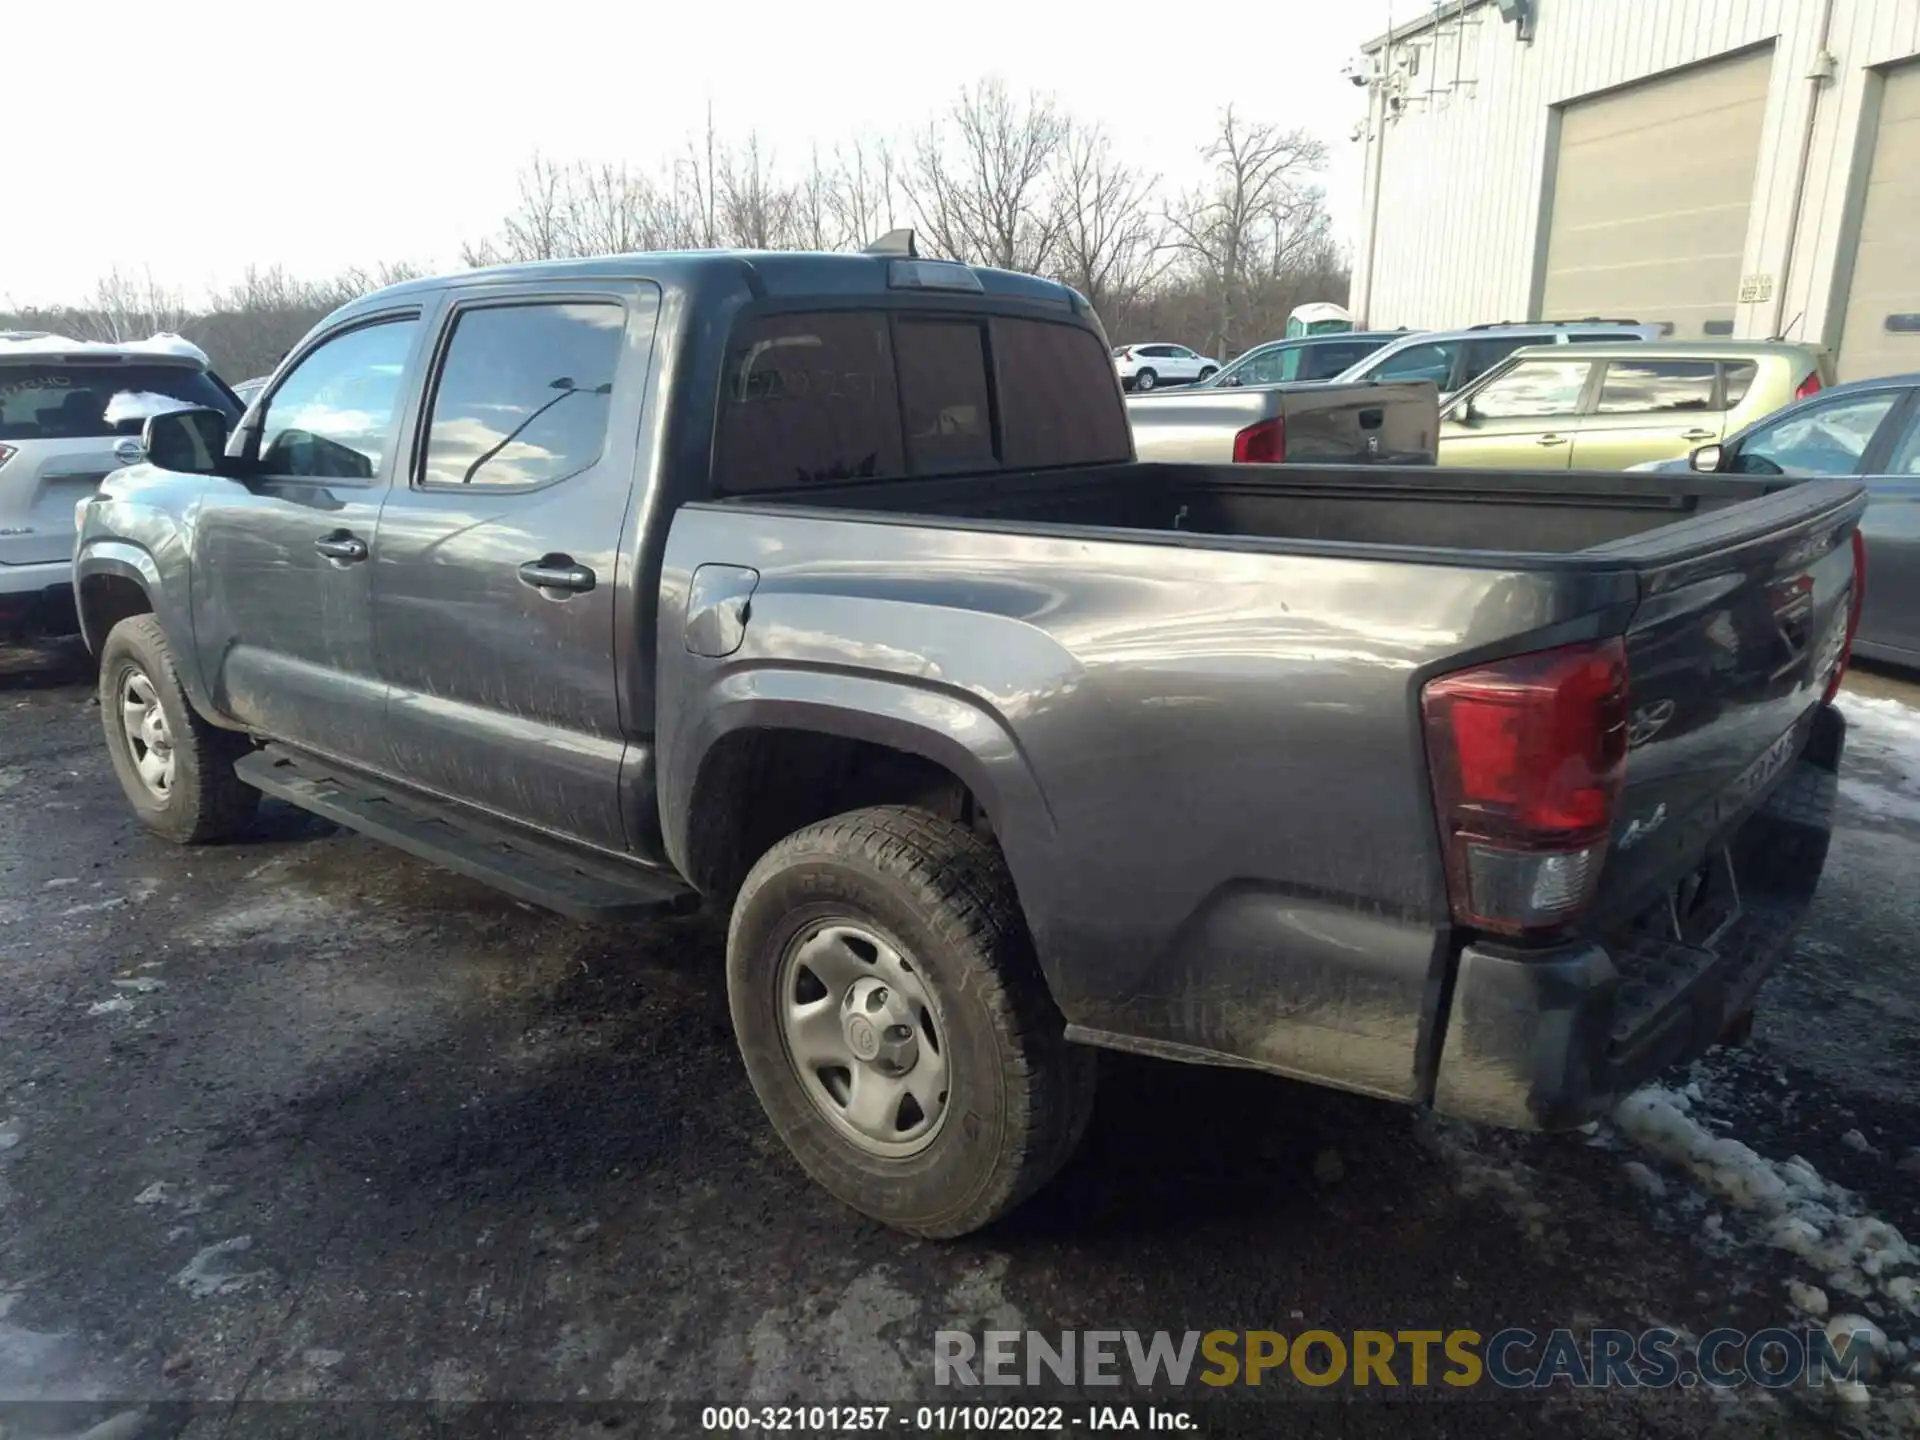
70,412
1146,367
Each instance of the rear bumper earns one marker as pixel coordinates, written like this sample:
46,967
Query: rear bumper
1546,1040
37,599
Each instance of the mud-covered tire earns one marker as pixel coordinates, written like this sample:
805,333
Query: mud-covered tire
1020,1095
203,799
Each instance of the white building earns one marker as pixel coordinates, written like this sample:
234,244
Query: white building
1728,167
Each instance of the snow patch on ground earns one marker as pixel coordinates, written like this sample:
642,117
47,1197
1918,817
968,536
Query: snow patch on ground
212,1272
1885,734
1791,1207
1799,1211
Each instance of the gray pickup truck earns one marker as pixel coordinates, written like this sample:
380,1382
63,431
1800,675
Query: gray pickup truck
1294,422
828,588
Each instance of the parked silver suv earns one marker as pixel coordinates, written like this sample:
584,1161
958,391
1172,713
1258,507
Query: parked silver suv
1452,358
70,412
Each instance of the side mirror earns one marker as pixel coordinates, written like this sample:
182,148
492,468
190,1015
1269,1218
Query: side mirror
1709,458
1230,382
1465,414
190,441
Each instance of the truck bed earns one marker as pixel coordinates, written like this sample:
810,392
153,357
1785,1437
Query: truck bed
1331,508
1189,699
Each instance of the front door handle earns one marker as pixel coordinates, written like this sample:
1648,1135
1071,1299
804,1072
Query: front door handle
342,545
1551,440
1698,435
557,572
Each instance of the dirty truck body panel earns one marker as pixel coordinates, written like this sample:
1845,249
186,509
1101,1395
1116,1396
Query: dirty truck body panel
1186,700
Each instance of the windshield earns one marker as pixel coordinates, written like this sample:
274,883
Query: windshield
80,402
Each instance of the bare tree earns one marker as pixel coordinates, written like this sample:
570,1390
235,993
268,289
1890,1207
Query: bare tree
865,197
1257,215
756,212
978,182
1110,240
130,307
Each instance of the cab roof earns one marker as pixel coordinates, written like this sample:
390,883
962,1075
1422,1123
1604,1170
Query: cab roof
772,273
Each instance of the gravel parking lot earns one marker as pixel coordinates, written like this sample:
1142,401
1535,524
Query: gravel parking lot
302,1119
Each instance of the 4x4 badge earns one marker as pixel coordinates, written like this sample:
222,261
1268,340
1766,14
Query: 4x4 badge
1640,829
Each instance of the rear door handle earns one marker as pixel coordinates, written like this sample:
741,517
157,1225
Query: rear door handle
557,572
1698,435
342,545
1551,440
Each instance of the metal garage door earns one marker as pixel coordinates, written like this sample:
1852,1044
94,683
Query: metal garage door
1881,333
1651,188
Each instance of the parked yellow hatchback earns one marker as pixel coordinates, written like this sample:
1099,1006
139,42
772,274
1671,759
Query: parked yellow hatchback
1611,406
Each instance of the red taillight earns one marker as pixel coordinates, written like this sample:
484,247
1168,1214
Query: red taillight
1263,443
1854,603
1808,386
1528,756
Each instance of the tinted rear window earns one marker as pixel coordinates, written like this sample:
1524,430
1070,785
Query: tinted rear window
1058,402
808,399
82,402
942,368
844,395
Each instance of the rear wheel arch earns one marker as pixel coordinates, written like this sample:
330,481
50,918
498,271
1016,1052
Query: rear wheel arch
903,744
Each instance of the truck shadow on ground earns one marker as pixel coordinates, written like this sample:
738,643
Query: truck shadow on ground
615,1087
45,665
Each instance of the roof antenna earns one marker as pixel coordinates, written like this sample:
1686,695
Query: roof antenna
1790,324
894,242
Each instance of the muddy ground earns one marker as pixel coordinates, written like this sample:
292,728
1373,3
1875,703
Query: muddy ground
295,1126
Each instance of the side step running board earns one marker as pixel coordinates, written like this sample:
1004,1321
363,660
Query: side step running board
541,872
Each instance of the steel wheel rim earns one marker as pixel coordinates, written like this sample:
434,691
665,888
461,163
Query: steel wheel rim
865,1037
143,721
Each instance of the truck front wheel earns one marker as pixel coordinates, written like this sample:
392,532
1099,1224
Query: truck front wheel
176,769
895,1024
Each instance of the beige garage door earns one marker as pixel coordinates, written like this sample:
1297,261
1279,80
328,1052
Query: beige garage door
1881,332
1651,188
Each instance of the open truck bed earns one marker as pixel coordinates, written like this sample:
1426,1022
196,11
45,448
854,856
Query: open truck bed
1197,703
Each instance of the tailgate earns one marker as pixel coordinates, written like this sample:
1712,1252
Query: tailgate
1729,653
1394,424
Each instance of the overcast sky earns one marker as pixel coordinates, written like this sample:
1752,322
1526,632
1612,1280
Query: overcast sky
193,138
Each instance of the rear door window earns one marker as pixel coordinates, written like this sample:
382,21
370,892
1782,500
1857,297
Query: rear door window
1323,362
523,394
84,402
1483,355
1656,387
1430,361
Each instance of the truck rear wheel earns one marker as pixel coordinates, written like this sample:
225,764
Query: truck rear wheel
895,1024
176,769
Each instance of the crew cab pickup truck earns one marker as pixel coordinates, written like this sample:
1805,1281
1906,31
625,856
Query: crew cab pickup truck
828,588
1297,422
